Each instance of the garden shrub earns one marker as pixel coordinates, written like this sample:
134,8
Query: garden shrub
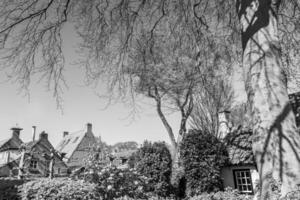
202,156
228,194
154,161
59,188
114,183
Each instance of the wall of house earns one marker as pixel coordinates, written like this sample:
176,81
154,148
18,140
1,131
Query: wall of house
228,177
8,156
83,151
44,146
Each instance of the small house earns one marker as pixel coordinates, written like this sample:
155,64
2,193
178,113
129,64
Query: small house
9,152
9,148
38,156
240,172
76,147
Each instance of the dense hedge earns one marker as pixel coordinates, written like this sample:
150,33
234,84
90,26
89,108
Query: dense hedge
59,188
113,182
154,161
202,156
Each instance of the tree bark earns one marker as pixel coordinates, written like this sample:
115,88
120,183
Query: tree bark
276,142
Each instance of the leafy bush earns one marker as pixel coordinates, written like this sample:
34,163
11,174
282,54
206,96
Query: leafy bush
114,183
59,189
154,161
228,194
202,156
275,191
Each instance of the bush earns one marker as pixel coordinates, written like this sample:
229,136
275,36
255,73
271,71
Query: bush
154,161
202,156
59,188
228,194
114,183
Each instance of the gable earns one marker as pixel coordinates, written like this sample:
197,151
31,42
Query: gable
70,143
9,144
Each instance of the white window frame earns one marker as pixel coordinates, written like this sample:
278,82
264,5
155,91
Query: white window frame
243,181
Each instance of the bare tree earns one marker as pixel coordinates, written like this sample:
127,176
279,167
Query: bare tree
215,95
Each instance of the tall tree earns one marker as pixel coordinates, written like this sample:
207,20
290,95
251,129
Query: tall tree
276,143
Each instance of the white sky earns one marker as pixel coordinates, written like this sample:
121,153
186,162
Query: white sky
81,106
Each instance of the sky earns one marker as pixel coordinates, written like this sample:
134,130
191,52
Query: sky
81,105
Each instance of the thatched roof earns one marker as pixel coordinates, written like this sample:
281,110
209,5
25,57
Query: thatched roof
239,148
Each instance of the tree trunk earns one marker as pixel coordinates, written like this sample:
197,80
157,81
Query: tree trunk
21,164
276,142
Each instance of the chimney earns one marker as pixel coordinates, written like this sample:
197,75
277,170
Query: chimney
33,132
89,127
65,133
224,127
43,135
16,131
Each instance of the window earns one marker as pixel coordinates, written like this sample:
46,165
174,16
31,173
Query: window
243,182
58,170
33,164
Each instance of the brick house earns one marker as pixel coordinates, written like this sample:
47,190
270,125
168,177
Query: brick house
36,162
77,146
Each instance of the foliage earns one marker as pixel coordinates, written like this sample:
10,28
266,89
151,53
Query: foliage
114,183
275,191
202,155
154,161
228,194
59,189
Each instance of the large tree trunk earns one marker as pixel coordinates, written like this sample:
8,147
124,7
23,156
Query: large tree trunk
276,143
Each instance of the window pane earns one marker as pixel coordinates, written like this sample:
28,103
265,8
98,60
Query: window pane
247,174
249,188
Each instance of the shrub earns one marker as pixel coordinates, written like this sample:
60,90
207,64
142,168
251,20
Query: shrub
114,183
154,161
59,188
228,194
202,156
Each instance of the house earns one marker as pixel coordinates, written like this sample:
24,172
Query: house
9,148
240,172
77,146
9,152
121,152
38,156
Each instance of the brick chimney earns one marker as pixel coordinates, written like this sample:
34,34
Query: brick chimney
224,126
65,133
89,127
33,132
43,136
16,131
